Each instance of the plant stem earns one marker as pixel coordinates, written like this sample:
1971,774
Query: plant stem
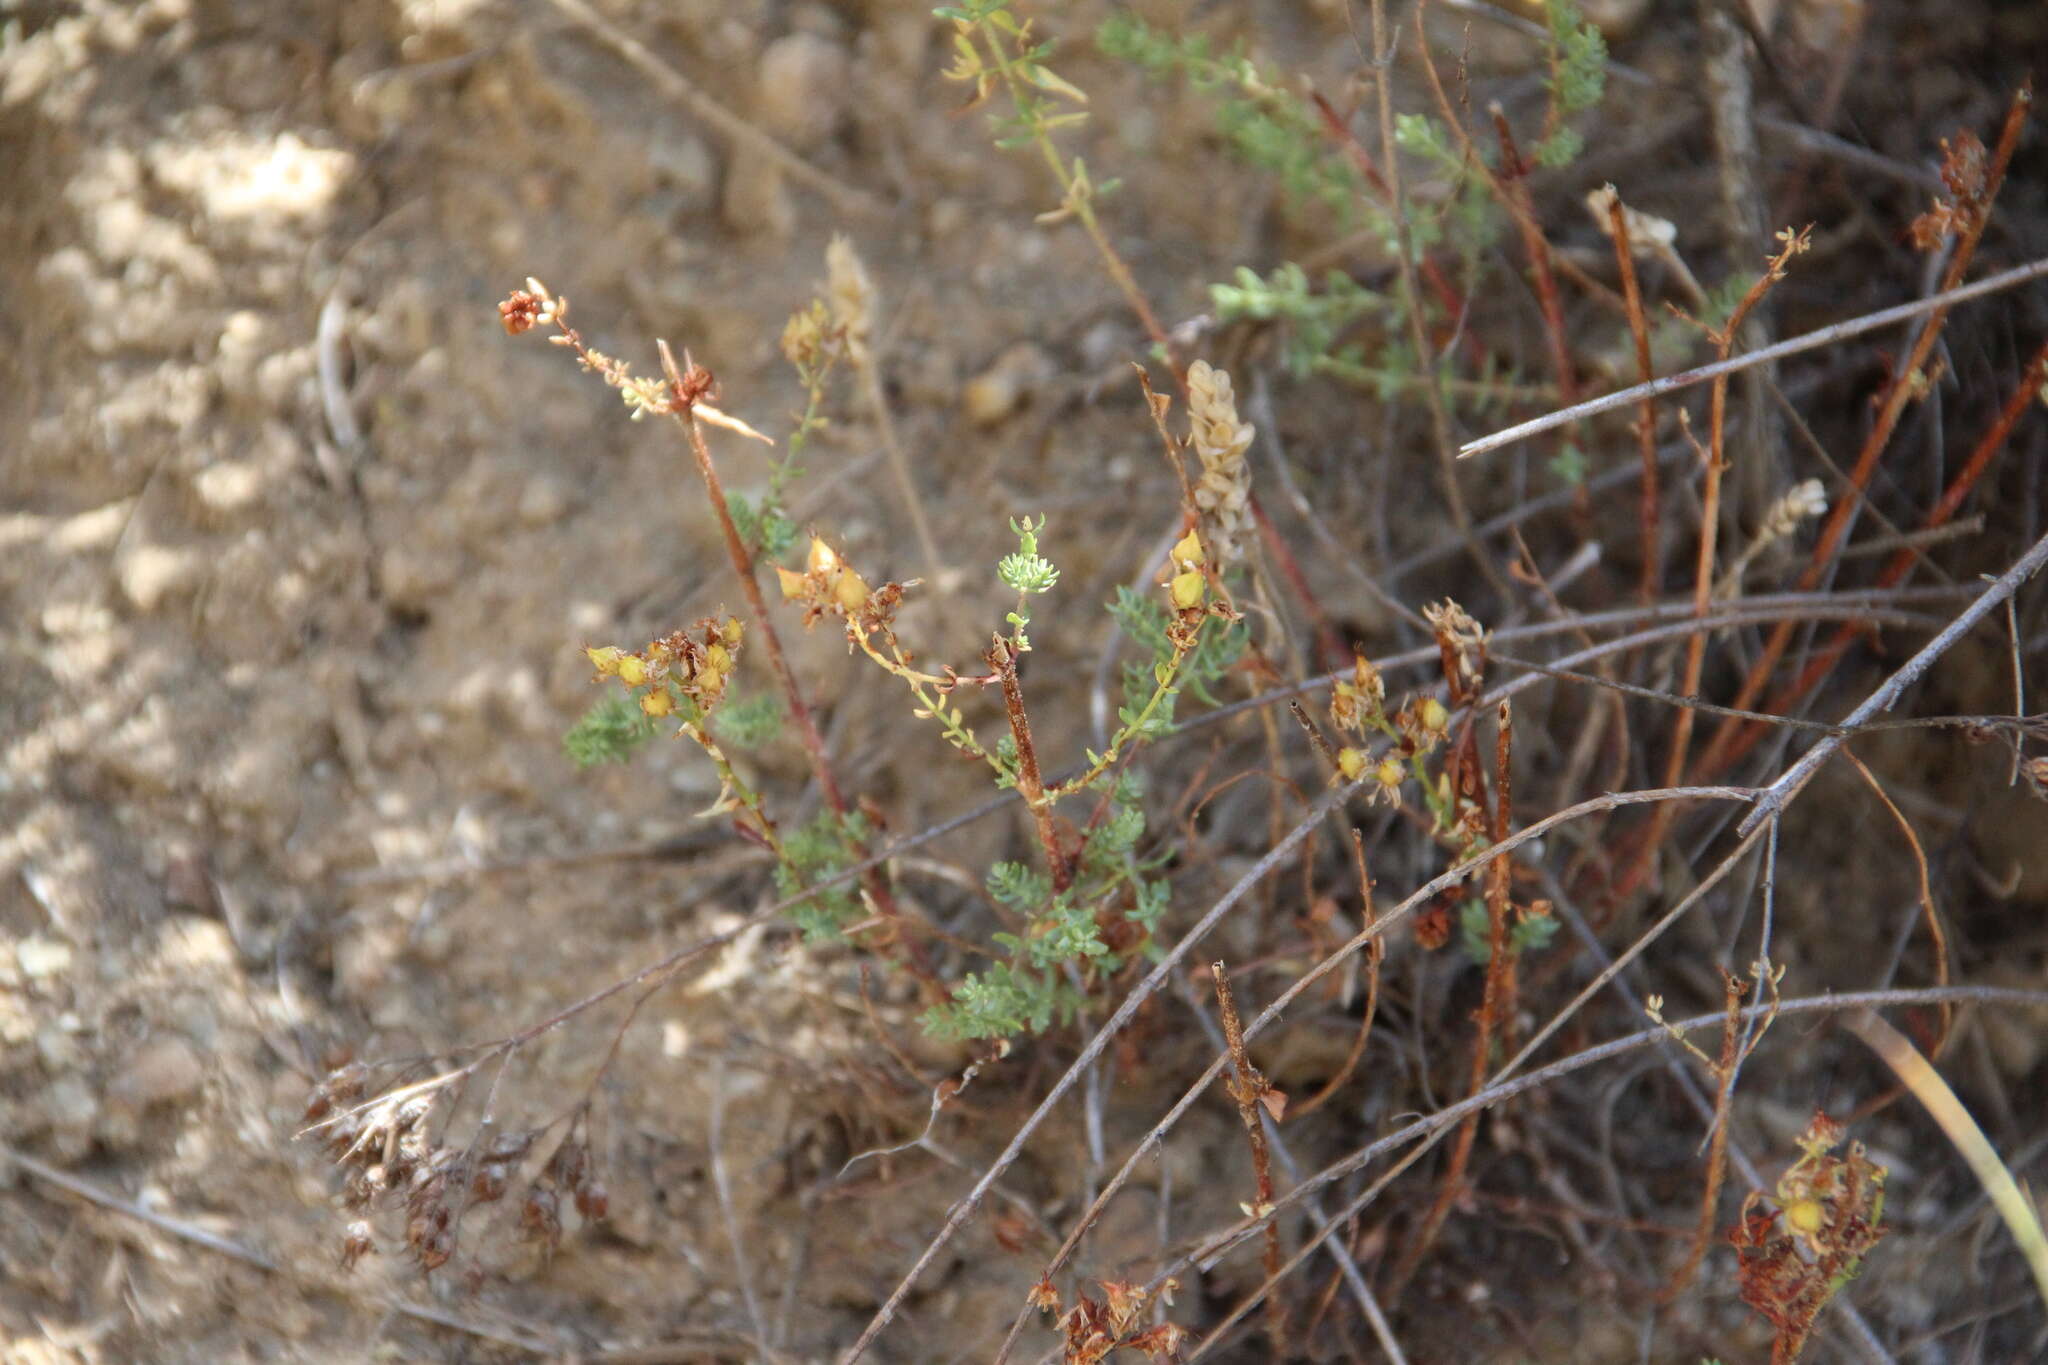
1003,659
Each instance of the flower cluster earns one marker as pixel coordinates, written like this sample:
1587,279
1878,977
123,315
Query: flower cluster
829,586
1223,493
1358,706
1462,643
680,673
1792,1260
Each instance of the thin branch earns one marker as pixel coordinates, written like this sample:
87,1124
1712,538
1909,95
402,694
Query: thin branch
1825,336
1774,797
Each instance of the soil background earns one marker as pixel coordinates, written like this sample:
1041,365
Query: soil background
282,703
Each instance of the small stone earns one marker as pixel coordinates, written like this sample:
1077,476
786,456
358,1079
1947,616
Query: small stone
804,88
684,162
151,574
164,1070
991,396
42,958
543,502
756,201
229,485
70,1110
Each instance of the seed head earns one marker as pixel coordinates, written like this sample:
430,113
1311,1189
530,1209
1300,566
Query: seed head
1220,439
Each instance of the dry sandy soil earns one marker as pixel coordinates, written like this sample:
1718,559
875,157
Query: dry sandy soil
298,551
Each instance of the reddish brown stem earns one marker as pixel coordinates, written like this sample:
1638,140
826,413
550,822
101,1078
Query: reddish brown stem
778,663
1733,737
1495,1005
2023,396
1030,785
1703,565
1646,411
1512,189
1248,1089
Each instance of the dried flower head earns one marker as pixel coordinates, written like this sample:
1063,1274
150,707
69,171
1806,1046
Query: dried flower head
1462,644
1220,439
852,295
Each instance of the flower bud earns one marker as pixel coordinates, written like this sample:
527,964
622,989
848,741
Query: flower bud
658,702
605,658
1187,551
1435,719
632,672
1188,589
849,591
823,559
793,584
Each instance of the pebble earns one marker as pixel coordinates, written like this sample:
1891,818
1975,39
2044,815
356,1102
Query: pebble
165,1070
152,573
804,88
991,396
71,1111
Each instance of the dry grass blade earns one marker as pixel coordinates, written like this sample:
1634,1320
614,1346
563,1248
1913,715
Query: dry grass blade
2015,1209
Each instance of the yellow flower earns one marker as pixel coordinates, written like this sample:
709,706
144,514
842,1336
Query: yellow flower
1350,762
1188,589
849,591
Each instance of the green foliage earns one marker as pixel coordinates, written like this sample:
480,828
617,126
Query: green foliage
1569,464
1026,570
826,847
1578,57
1144,623
1315,319
1002,1001
1576,80
1026,573
766,531
1260,118
609,732
748,722
1016,887
1062,941
1528,933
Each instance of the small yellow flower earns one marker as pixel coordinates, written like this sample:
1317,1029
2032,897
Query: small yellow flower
1187,551
1389,773
605,658
823,559
1435,719
794,584
730,631
1805,1216
658,702
1188,589
632,672
849,591
1350,762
